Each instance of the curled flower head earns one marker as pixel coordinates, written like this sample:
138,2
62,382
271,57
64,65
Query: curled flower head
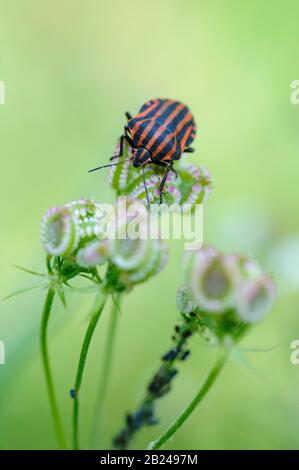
155,260
195,184
211,279
229,292
80,234
65,229
59,231
93,254
129,254
188,184
255,298
87,215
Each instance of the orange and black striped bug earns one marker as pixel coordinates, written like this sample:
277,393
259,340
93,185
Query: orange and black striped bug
159,134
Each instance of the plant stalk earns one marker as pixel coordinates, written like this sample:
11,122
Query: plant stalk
210,380
47,368
81,365
97,426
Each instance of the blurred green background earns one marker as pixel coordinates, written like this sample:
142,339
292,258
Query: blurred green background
71,69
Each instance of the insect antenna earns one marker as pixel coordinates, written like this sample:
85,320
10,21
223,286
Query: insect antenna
145,187
110,164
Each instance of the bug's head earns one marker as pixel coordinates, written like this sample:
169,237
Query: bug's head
141,157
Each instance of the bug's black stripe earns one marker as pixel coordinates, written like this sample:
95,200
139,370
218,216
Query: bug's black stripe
162,137
192,136
159,139
167,147
149,135
161,120
184,130
177,119
140,130
153,112
172,106
147,105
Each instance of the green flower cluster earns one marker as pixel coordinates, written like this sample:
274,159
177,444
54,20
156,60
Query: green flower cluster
227,291
78,232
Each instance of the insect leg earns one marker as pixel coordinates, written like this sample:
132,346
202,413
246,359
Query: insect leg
145,188
188,150
109,165
128,116
129,140
121,149
162,184
175,172
166,165
121,146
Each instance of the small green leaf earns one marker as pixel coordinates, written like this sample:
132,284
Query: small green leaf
244,361
60,292
25,289
87,289
272,348
116,303
28,270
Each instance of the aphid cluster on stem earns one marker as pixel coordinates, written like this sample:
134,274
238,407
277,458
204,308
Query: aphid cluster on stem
161,382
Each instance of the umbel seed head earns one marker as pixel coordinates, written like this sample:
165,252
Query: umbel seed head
188,184
210,278
230,285
77,232
59,231
65,229
255,298
94,253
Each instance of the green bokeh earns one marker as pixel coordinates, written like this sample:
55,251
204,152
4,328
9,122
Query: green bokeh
71,69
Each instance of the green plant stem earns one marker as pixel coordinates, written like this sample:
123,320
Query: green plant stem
97,425
210,380
81,364
47,369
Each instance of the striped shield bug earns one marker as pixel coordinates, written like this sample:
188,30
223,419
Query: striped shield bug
159,134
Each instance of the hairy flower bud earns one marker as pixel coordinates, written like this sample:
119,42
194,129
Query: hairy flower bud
231,285
184,302
59,231
255,298
80,229
156,259
210,278
87,215
94,253
195,183
65,229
